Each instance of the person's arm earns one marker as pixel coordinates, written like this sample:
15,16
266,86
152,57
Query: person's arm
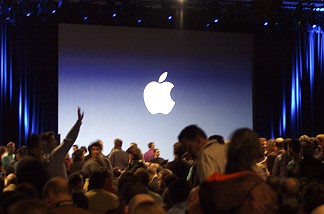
61,150
275,169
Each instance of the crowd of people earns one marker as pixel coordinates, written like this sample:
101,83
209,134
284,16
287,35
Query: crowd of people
245,174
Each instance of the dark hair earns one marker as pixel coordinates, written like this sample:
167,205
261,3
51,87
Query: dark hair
285,143
179,149
150,144
179,190
77,155
143,176
22,151
32,141
83,148
95,144
97,178
295,145
219,138
135,151
118,143
129,185
46,136
308,147
191,133
243,150
126,178
73,179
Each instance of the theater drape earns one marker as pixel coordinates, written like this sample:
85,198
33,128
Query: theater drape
28,79
289,84
305,103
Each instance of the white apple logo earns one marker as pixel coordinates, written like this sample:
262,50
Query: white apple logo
157,96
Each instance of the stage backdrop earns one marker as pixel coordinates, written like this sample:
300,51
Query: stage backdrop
104,70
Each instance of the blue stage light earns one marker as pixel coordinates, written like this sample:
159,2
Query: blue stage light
114,15
216,20
170,17
28,14
265,23
139,21
53,11
85,18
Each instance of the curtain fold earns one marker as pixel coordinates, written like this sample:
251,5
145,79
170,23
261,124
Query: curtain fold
306,88
28,80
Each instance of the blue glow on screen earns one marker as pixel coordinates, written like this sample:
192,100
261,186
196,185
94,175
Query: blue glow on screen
104,70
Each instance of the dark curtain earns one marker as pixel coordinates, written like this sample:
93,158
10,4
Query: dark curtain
305,103
289,84
28,79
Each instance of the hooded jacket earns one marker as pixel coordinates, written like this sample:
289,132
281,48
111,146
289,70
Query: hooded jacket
240,192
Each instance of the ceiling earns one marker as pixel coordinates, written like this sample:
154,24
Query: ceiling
222,15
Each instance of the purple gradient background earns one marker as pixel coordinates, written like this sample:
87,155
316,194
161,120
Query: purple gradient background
104,70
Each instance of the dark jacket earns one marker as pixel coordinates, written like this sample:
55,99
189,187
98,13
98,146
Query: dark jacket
241,192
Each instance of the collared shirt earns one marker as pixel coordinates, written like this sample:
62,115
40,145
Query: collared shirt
211,158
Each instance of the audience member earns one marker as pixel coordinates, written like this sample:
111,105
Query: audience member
289,196
57,196
135,159
10,183
30,206
150,153
31,168
153,177
143,203
178,192
293,166
277,150
281,161
157,159
77,161
75,184
101,200
21,153
143,176
55,156
313,197
97,160
179,165
75,147
210,156
118,157
310,167
7,158
240,189
129,185
320,148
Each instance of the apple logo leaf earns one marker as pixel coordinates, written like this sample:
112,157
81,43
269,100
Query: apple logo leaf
163,77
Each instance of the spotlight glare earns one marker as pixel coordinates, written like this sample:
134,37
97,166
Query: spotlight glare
216,20
28,14
207,25
53,11
314,26
114,15
170,17
265,23
85,18
139,21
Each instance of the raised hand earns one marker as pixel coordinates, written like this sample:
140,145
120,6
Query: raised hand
80,114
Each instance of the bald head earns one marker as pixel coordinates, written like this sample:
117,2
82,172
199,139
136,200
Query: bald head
55,190
137,199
